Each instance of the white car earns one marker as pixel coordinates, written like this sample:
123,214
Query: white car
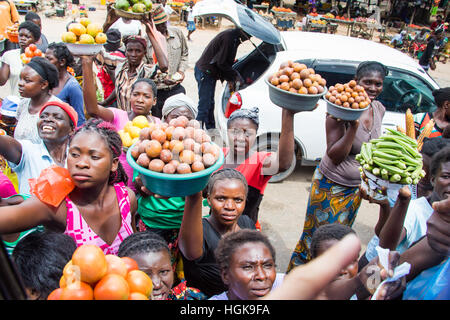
335,58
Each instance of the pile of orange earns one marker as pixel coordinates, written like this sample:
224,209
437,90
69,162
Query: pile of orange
92,275
84,32
348,95
179,146
30,52
296,77
280,9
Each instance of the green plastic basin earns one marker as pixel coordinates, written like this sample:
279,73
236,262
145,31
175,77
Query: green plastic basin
174,185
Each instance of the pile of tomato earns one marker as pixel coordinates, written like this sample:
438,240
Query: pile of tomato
30,52
92,275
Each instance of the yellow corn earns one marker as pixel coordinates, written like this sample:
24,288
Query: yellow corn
425,134
409,125
400,129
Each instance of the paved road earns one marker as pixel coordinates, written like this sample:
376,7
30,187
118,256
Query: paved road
284,204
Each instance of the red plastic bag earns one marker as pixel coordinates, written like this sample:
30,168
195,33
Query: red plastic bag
52,186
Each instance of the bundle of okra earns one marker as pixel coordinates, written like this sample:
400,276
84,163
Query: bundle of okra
393,157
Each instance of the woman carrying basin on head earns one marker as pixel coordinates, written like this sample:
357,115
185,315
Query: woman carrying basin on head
257,167
142,99
334,195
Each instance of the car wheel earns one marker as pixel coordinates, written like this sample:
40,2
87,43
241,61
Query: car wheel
269,143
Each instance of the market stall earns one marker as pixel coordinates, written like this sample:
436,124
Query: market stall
264,6
285,18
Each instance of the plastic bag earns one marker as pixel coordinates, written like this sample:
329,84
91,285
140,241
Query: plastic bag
52,186
399,271
431,284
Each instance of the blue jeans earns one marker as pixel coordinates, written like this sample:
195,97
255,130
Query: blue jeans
206,89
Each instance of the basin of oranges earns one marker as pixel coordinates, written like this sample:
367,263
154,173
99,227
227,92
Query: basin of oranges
175,159
295,86
92,275
347,101
30,52
84,37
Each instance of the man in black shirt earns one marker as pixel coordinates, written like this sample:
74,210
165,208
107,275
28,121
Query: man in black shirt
216,63
426,60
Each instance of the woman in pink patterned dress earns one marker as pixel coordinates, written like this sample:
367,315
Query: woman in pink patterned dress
100,208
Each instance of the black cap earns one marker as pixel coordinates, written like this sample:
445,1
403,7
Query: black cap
113,40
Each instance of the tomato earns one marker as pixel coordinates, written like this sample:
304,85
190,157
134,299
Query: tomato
130,263
77,291
32,47
37,53
112,287
28,52
116,265
55,294
70,275
139,281
91,261
137,296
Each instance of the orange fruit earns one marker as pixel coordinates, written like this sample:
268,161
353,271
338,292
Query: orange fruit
93,29
85,21
77,291
69,37
100,38
91,261
112,287
55,294
87,39
137,296
116,265
77,28
139,281
130,263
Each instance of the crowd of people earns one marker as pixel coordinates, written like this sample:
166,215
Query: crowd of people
96,198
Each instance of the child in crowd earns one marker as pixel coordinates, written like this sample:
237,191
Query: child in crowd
324,238
247,263
100,209
199,237
40,258
152,255
349,283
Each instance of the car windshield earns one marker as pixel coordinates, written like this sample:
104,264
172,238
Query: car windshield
401,89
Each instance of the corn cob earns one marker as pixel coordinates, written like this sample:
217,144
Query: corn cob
409,124
400,129
425,134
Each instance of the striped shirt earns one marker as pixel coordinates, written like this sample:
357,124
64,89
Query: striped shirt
421,120
124,81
